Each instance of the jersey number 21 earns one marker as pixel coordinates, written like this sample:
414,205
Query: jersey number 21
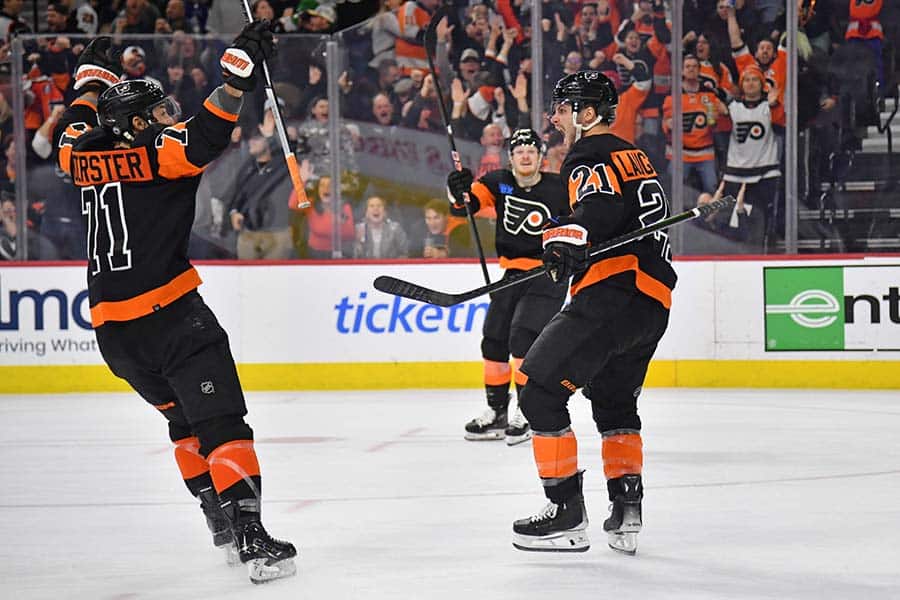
654,209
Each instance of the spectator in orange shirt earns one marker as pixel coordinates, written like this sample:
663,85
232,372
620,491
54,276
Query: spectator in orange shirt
320,223
865,28
700,109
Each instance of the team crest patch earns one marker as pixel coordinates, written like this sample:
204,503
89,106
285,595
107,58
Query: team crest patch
207,387
524,215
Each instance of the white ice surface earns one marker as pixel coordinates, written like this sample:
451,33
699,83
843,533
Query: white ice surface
749,494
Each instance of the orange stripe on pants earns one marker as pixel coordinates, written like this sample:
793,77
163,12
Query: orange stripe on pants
187,455
622,455
231,463
556,457
520,377
496,373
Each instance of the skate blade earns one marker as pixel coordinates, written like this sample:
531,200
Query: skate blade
564,541
232,557
487,436
514,440
260,572
624,542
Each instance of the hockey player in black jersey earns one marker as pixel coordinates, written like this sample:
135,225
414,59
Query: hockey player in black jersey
137,168
603,340
525,199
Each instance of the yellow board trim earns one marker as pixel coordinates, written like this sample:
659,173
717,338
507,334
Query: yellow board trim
438,375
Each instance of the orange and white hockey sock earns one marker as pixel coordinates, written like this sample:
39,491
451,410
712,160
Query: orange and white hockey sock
235,471
496,373
622,453
190,462
496,384
555,454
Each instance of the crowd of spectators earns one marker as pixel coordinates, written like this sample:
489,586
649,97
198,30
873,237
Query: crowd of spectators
483,62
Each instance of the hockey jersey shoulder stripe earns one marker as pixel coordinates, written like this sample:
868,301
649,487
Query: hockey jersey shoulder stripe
146,303
84,102
171,153
219,112
484,194
620,264
523,264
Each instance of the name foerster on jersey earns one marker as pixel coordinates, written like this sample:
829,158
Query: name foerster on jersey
752,129
523,215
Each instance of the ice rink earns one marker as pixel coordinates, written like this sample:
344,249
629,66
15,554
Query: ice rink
749,494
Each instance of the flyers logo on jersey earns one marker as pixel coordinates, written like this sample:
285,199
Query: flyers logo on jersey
521,215
694,120
752,129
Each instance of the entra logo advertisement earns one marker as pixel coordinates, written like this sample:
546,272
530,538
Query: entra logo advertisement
406,316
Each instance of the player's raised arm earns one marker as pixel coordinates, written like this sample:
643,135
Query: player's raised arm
97,70
185,148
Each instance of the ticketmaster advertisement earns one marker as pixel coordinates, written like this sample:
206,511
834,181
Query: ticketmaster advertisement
313,316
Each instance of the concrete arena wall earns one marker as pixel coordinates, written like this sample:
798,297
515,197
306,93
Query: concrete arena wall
323,326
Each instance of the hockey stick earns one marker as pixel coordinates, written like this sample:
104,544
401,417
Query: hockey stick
431,42
289,158
398,287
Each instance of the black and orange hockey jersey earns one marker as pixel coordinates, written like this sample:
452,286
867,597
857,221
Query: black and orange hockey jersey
139,204
613,189
697,108
521,213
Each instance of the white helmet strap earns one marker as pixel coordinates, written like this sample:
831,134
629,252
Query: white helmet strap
579,128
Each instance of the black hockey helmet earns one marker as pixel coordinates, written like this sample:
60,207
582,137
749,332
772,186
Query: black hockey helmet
588,88
526,137
119,104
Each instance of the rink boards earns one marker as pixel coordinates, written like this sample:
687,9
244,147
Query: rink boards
735,323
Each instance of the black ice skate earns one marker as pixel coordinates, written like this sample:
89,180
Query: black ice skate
624,522
490,425
518,430
266,557
560,527
219,526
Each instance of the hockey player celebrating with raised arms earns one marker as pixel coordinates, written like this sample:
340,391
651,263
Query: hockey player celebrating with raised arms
138,173
525,199
603,340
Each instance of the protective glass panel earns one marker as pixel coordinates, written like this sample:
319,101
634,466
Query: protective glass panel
733,124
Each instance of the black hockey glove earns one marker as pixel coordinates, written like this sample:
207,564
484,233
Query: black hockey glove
565,250
239,62
459,183
96,64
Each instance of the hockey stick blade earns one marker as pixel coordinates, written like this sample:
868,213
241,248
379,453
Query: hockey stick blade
413,291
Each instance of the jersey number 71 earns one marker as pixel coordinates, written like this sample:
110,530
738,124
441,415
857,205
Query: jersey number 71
111,243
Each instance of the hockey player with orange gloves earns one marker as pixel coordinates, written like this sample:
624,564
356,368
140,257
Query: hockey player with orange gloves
138,173
604,339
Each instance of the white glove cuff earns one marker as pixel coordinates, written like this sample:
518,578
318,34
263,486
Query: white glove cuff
87,73
573,234
237,62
